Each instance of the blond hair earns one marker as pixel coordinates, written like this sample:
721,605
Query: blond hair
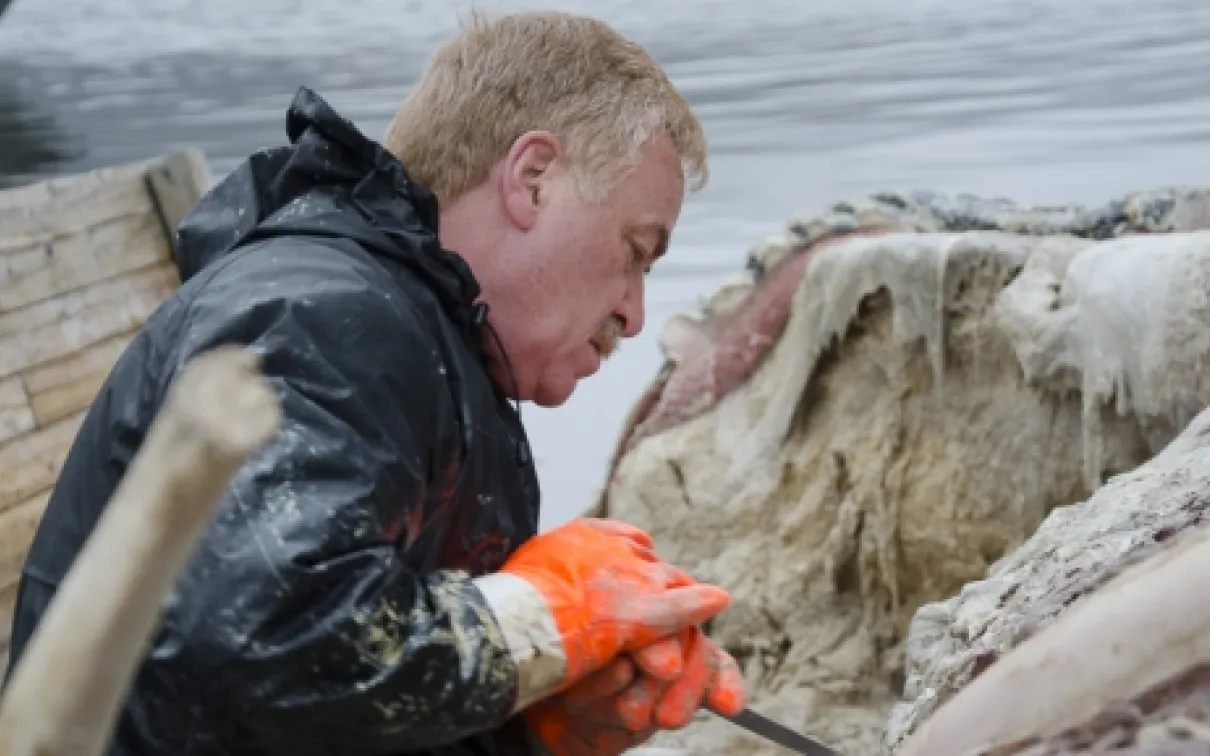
602,95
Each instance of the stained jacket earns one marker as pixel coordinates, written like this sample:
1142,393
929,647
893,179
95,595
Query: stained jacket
328,610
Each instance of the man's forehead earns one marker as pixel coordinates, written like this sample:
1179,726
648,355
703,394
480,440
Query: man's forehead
652,196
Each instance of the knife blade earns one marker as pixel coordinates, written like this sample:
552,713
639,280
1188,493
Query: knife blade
783,736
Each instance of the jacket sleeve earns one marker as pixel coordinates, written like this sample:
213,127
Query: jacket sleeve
298,621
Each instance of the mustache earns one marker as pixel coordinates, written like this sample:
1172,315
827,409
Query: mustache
609,336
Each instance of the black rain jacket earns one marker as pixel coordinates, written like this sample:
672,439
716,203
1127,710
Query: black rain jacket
328,609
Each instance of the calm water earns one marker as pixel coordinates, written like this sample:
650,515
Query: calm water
804,101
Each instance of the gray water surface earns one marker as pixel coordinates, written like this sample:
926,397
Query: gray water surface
804,102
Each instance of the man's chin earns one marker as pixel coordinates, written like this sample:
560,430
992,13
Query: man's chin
555,395
557,390
552,399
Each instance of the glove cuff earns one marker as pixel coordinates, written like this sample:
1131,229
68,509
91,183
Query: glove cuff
528,624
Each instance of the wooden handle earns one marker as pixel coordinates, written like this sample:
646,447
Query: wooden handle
65,693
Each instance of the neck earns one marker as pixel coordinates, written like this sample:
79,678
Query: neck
473,228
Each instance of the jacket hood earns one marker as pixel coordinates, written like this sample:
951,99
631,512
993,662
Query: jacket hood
330,181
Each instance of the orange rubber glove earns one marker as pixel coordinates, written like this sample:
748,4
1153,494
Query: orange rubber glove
700,672
622,705
572,599
708,677
585,719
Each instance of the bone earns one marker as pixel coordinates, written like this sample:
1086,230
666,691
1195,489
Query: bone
67,688
1138,631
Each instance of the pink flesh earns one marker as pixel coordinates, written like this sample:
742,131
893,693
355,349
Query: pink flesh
739,342
742,341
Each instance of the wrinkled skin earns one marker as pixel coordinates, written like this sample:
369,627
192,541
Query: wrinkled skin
563,276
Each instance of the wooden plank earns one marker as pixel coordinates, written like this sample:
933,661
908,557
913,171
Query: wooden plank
69,384
16,414
44,268
57,327
8,602
65,233
176,184
66,214
65,204
30,463
17,526
84,260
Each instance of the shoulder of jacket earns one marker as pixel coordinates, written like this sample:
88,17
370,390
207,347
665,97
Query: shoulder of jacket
293,268
328,289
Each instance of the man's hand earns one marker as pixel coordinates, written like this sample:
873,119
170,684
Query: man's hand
572,599
587,718
657,687
697,668
678,676
623,704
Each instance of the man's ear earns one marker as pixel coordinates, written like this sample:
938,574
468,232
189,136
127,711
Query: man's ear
528,168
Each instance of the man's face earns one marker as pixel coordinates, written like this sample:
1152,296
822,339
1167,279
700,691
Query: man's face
585,272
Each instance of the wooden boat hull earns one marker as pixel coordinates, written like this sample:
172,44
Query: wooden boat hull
84,259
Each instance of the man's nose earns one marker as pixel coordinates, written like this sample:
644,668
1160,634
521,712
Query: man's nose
632,311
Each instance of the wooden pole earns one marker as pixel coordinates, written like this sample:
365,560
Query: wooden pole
67,689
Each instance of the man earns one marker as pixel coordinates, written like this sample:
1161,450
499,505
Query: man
373,583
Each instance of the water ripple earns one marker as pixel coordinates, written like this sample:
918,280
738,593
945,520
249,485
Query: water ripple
803,103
